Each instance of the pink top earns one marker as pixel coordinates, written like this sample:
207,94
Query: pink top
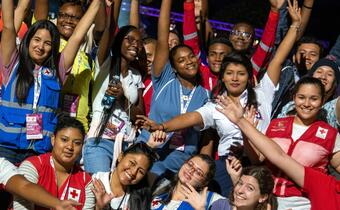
7,70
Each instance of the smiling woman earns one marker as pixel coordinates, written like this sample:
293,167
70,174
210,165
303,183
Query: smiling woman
126,187
32,75
188,190
57,171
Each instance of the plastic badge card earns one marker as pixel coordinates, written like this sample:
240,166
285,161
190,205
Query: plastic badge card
70,106
34,126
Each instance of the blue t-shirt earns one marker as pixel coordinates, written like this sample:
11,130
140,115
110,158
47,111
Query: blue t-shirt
165,104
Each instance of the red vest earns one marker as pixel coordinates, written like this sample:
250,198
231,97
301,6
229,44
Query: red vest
312,149
72,189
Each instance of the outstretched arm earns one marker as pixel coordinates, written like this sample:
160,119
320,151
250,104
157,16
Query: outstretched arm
79,33
179,122
306,12
29,191
266,146
8,35
134,13
162,47
189,27
263,52
40,9
274,68
20,13
108,34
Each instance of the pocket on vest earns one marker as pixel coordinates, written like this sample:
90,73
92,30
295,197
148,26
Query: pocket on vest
50,94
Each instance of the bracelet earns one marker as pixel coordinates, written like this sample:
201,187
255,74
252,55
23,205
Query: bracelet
307,7
293,26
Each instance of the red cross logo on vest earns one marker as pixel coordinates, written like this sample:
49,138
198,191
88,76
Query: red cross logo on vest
47,72
73,194
322,132
155,204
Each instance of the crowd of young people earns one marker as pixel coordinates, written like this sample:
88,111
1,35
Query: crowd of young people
98,115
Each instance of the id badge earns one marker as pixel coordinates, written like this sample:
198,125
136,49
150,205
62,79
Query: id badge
70,105
177,141
114,126
34,126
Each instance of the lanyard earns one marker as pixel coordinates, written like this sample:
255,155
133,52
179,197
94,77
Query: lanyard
181,96
37,88
68,180
147,88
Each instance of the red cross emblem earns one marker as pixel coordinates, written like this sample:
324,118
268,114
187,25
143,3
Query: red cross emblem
321,133
73,194
47,72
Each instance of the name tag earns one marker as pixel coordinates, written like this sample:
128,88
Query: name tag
114,126
34,126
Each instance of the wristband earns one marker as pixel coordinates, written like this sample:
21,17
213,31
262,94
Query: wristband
307,7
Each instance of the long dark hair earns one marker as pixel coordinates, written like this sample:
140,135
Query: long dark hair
140,195
209,176
114,71
172,53
26,65
266,184
236,58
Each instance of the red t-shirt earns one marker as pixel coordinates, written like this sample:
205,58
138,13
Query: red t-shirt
322,190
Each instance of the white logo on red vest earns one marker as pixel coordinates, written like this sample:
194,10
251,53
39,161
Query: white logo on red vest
322,132
73,194
47,72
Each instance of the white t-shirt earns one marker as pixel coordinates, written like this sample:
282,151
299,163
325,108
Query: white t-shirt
105,178
228,131
298,130
131,83
7,170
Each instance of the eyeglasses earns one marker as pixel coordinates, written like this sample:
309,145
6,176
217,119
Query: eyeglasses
145,149
67,16
197,171
243,34
132,40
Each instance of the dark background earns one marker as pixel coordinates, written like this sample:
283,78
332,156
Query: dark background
324,22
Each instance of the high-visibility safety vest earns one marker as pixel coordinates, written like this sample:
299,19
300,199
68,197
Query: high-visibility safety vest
13,115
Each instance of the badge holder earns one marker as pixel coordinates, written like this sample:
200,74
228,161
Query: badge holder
70,104
114,126
34,125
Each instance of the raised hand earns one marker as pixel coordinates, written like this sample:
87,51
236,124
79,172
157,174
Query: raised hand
196,199
234,168
102,198
156,138
233,111
294,12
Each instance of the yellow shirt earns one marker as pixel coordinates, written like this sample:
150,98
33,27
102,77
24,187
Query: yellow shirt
78,83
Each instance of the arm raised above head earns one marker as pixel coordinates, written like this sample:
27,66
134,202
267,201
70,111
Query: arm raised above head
162,48
8,35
